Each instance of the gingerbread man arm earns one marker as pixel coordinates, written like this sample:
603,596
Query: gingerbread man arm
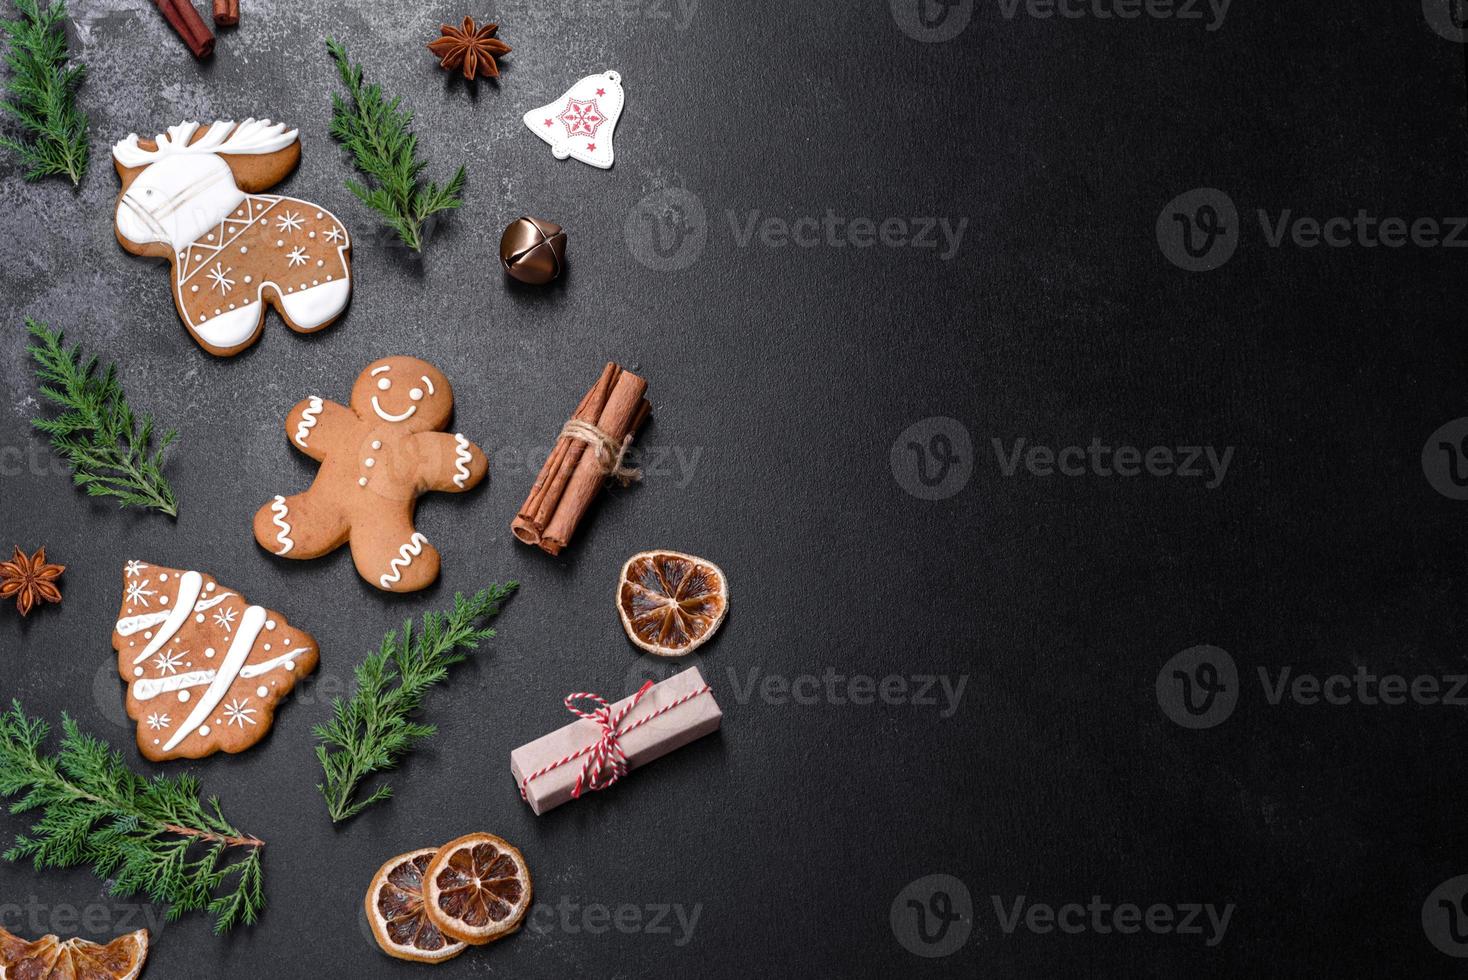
449,462
315,423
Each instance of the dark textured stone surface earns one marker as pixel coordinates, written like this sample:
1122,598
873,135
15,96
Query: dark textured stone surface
783,375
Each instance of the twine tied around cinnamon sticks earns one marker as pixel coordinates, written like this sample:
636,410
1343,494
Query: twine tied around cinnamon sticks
607,451
608,419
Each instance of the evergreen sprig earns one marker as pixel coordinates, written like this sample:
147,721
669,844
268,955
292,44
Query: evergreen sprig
154,836
372,732
41,93
378,134
108,447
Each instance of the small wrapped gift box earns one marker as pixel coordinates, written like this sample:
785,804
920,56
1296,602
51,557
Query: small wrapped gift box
606,741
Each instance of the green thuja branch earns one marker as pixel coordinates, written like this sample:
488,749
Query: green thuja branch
372,732
108,447
40,94
154,836
378,135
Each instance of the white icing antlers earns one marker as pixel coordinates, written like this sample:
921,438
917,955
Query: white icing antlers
253,136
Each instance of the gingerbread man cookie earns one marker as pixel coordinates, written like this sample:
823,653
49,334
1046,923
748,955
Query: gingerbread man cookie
192,196
377,457
204,667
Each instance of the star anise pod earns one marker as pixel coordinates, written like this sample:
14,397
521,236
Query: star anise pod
29,580
470,48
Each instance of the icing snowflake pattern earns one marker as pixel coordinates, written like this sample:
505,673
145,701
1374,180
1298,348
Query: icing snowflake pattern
138,592
334,235
290,221
219,276
169,662
236,713
225,618
134,569
159,722
297,256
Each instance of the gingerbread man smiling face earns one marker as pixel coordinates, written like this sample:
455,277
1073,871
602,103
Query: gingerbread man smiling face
377,457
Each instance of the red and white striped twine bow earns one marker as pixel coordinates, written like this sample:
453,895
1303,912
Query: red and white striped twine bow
606,763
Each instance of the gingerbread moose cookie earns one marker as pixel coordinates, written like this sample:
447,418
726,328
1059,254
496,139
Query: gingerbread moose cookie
193,197
377,457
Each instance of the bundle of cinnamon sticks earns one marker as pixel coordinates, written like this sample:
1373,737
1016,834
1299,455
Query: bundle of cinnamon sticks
187,23
586,454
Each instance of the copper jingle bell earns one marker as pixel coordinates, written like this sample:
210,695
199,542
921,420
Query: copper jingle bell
533,251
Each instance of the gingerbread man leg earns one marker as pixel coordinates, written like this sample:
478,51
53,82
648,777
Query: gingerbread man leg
307,525
393,555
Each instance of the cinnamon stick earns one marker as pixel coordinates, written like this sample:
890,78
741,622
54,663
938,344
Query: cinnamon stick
226,13
575,471
187,23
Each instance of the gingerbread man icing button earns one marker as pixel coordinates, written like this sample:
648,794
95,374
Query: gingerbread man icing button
377,455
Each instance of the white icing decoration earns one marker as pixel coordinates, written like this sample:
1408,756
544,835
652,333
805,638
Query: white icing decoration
262,691
376,443
462,459
282,537
183,697
388,417
404,558
229,669
428,383
204,730
149,688
308,420
189,585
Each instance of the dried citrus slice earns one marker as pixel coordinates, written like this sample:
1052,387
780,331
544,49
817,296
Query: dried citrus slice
671,603
395,909
477,889
48,958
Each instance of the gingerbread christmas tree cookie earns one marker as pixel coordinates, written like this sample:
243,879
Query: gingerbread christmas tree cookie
204,668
